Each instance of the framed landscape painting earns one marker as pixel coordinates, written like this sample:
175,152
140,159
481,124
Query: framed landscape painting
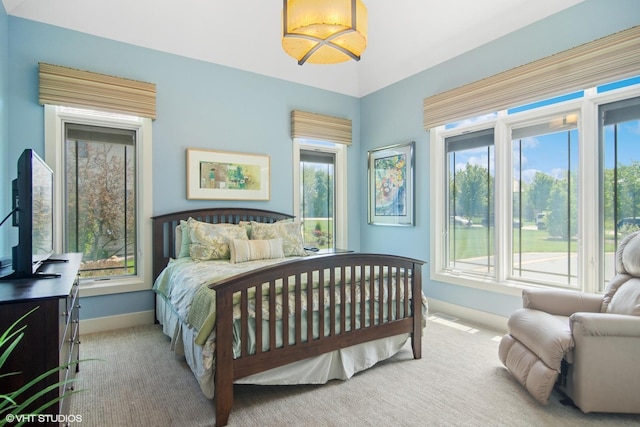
221,175
391,193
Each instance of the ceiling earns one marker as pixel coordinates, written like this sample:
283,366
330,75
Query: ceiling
405,36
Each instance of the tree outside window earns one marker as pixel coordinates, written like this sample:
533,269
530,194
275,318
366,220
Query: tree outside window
100,194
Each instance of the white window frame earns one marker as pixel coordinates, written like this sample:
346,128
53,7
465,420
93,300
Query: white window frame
590,234
55,118
340,182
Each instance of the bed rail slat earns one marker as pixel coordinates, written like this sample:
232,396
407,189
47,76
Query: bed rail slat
272,314
363,298
244,324
320,310
258,305
354,305
406,293
298,298
398,293
285,313
309,314
332,302
381,304
372,292
343,300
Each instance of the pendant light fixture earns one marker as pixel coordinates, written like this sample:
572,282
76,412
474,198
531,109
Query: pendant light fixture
324,31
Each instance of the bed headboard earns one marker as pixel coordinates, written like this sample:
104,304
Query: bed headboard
164,227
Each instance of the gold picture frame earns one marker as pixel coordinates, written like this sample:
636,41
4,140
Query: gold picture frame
223,175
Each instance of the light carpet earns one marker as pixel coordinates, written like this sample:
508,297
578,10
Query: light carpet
458,382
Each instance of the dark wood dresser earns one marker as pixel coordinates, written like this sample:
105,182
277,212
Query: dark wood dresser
51,338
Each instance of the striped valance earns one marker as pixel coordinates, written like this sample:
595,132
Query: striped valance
614,57
320,127
84,89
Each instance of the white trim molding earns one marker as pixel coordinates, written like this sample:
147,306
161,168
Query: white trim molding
120,321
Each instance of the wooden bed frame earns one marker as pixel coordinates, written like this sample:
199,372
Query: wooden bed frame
394,317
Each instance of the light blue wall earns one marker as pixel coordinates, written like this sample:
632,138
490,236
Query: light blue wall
394,115
209,106
198,105
5,205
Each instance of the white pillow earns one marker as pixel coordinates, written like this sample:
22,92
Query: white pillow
211,241
289,231
249,250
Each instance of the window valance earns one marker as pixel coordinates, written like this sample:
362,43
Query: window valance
614,57
320,127
85,89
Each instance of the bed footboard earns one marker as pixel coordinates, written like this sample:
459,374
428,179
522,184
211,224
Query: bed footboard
355,298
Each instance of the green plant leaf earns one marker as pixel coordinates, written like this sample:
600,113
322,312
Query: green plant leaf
10,333
8,402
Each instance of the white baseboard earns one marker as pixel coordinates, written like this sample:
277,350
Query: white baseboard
492,321
108,323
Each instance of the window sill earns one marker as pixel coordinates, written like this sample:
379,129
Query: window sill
505,288
90,288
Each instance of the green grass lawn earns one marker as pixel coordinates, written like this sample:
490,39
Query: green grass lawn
478,241
470,242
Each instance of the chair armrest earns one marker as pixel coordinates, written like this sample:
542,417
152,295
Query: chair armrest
561,302
605,324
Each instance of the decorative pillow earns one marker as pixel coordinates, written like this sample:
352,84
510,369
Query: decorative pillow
249,250
289,231
247,226
211,241
183,239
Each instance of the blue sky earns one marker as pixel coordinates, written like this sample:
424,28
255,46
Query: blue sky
549,153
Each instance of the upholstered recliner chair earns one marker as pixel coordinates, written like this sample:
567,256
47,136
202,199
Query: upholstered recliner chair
587,345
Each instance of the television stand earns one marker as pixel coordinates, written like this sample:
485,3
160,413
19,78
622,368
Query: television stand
51,337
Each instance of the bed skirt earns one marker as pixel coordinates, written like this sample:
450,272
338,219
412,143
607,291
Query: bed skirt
339,364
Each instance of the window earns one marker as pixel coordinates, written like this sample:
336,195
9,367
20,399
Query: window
100,199
470,160
537,195
317,198
620,171
101,164
320,193
544,197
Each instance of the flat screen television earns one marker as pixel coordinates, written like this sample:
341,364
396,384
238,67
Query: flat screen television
32,193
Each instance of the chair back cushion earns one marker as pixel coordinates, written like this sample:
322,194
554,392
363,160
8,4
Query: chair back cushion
628,255
626,300
623,291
